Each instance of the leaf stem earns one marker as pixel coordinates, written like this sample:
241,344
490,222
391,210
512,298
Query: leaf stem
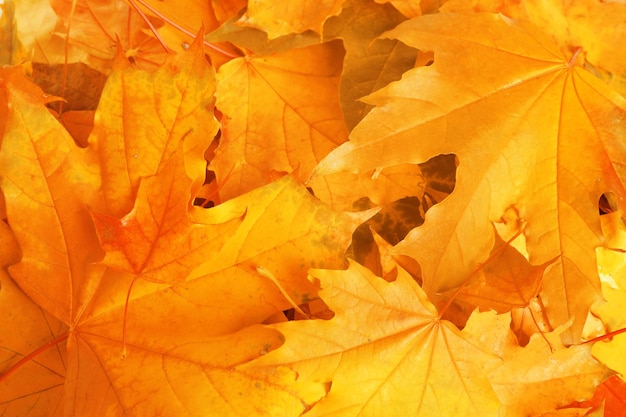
266,273
130,288
532,316
608,336
477,270
33,354
152,28
574,56
178,27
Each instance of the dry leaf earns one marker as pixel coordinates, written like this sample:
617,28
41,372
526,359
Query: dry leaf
536,114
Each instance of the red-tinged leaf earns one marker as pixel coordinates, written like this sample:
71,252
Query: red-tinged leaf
143,117
157,240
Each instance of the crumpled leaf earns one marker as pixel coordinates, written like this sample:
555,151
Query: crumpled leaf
386,336
158,110
281,112
537,114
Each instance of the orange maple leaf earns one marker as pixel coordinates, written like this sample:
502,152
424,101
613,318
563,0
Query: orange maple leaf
280,113
49,183
517,111
178,97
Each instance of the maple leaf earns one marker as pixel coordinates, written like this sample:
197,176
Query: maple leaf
610,397
224,10
280,113
505,282
156,240
409,8
62,180
223,295
39,386
537,114
178,97
387,336
93,28
89,300
597,27
509,104
285,226
30,38
180,24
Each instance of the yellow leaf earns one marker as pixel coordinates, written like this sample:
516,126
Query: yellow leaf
285,231
143,117
296,16
156,240
47,182
542,377
281,112
385,351
516,111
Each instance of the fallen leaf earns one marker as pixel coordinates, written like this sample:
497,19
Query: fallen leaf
256,41
612,268
276,123
80,85
61,181
506,281
37,386
36,24
613,393
489,118
95,28
286,231
226,9
409,8
159,110
535,380
540,378
387,336
166,343
156,240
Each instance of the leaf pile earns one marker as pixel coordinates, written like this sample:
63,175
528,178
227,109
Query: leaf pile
352,208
